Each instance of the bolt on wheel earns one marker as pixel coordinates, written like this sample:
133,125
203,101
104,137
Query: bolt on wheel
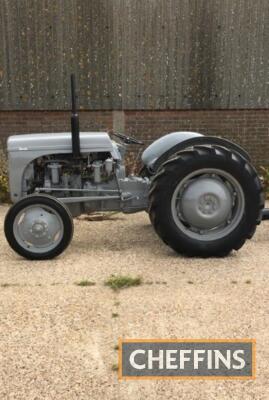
208,204
206,201
39,227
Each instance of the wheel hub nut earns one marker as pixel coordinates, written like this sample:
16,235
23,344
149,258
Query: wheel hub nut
39,229
208,204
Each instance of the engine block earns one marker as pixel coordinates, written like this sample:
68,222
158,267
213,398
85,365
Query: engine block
95,182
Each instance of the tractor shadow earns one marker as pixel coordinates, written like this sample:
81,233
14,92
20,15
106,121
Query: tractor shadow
124,238
99,217
137,237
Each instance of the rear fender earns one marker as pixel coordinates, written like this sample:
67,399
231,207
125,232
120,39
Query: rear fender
193,141
160,146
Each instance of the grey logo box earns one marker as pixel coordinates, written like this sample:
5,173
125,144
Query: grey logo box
193,358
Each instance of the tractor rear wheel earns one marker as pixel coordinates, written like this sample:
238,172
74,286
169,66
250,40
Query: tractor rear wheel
206,201
38,227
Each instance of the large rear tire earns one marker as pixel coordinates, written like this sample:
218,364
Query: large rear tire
38,227
206,201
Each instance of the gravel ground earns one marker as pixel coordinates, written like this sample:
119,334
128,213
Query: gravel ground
57,339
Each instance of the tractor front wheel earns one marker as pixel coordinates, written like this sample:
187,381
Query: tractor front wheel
38,227
206,201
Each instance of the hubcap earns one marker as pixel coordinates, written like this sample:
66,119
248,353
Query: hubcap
208,204
38,228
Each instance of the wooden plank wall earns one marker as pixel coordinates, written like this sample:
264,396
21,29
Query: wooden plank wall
134,54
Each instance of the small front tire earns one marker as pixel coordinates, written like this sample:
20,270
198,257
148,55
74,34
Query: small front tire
38,227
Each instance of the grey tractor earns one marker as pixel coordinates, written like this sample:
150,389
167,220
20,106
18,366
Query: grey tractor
203,196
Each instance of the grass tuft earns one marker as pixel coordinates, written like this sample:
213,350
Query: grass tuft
265,180
6,285
85,283
122,282
115,367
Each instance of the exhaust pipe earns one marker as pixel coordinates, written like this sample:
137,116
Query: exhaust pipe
74,120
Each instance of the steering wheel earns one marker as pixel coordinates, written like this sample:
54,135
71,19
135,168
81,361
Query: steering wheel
126,139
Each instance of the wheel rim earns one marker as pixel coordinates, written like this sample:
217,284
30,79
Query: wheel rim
38,228
208,204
